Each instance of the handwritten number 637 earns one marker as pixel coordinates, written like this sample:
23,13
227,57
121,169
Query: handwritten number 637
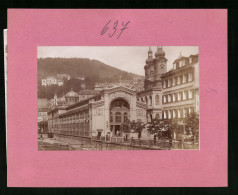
114,27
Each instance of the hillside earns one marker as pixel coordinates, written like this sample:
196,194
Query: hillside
75,67
92,70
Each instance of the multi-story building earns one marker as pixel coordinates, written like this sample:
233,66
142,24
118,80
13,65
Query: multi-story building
181,88
170,94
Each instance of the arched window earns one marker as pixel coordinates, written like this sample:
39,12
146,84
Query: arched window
157,100
118,117
157,116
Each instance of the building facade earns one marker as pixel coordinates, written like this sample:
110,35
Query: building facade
43,106
170,94
100,115
181,88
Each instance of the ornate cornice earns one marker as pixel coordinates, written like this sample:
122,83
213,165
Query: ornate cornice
96,104
120,88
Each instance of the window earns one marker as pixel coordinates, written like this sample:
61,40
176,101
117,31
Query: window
180,64
184,95
169,98
179,96
125,116
174,99
173,83
184,112
174,114
176,80
118,117
157,100
184,78
164,98
169,114
150,103
190,76
179,113
174,66
111,117
157,116
190,94
164,114
169,83
179,80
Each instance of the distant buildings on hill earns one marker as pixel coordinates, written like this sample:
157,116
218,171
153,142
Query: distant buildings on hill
55,80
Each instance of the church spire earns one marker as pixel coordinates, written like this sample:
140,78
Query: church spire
150,56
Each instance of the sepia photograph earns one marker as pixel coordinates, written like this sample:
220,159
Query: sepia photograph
118,98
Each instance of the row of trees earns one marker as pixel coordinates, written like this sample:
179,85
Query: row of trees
163,128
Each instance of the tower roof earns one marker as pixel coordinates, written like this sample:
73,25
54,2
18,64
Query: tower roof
71,93
150,58
160,52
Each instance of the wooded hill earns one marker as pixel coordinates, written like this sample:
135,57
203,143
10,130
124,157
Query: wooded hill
76,67
93,71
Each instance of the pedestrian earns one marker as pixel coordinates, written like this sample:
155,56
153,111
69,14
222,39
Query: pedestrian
132,140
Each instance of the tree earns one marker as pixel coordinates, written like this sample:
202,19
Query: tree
126,127
129,126
162,128
192,122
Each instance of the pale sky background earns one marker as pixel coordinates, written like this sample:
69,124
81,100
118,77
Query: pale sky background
128,58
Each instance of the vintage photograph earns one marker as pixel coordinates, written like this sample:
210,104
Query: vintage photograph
118,98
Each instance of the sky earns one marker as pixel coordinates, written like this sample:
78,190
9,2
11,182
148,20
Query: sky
128,58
